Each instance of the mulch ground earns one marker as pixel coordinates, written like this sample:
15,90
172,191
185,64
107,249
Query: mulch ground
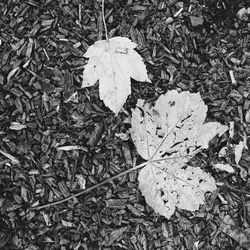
201,46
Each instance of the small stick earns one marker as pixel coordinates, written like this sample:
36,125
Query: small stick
103,182
104,23
91,188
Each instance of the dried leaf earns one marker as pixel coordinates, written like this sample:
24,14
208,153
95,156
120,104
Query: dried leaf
113,62
172,131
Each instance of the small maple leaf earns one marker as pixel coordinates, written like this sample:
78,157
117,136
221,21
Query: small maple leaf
113,62
171,133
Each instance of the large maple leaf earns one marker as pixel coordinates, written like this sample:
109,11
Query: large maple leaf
113,62
172,132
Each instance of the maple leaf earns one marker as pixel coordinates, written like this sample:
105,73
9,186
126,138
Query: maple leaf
113,63
172,132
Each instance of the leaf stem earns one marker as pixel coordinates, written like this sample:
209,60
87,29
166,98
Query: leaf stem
89,189
101,183
104,23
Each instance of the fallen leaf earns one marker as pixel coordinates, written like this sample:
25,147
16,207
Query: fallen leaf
171,132
113,63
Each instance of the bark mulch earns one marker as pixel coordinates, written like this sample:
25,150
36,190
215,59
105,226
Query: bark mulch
200,45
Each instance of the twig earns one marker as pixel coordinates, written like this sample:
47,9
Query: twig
90,188
104,23
102,183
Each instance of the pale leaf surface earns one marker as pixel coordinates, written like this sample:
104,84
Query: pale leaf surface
173,131
165,189
113,63
180,117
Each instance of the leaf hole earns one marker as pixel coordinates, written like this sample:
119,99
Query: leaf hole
171,103
197,147
179,127
168,153
165,202
177,143
184,119
142,111
161,193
